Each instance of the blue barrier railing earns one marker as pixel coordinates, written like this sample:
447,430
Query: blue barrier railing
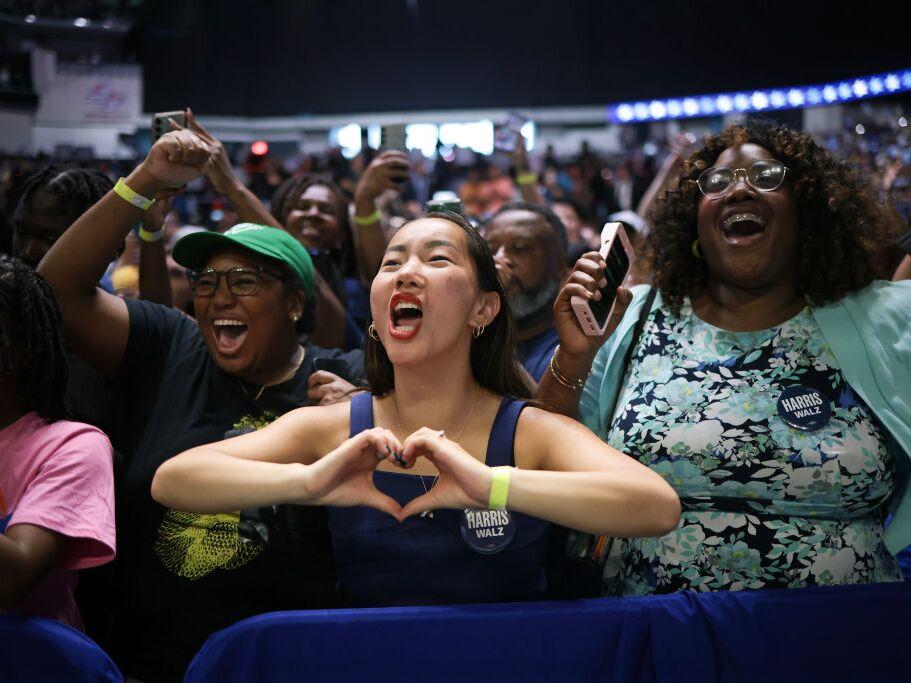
850,633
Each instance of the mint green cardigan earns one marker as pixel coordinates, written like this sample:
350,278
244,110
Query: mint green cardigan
869,333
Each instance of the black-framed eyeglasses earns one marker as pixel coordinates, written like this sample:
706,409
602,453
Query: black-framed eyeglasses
765,175
241,281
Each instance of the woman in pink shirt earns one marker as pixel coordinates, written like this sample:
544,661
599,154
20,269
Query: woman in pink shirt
56,476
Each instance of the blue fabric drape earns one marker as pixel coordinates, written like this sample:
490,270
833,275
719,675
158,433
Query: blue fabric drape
849,633
40,650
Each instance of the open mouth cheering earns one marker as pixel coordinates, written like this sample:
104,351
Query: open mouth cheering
405,314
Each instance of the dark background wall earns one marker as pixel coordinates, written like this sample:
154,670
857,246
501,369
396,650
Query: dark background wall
286,57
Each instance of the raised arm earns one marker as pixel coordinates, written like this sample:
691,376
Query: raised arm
386,172
154,280
561,386
97,323
526,179
680,148
220,174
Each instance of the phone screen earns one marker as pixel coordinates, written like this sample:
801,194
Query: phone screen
617,267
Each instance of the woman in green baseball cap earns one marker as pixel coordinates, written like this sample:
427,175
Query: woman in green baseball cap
184,383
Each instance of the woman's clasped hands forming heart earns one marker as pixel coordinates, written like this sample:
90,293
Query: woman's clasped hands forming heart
344,477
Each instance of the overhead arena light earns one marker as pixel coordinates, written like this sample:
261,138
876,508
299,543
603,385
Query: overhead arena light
761,100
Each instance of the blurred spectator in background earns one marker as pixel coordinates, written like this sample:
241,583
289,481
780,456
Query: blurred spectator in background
579,232
529,246
51,200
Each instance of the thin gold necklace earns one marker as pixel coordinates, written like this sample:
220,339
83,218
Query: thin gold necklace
398,423
300,354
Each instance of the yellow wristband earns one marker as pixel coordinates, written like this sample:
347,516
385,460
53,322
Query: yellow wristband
368,220
527,178
147,236
499,488
134,198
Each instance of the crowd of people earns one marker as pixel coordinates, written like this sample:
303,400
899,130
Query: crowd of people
330,396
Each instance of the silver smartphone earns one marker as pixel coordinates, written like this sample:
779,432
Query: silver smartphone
160,124
392,138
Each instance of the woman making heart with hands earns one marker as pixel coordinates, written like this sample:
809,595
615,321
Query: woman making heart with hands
442,481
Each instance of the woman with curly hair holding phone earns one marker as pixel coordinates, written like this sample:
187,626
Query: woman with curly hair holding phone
764,375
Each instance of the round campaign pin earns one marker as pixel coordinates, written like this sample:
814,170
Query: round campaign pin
487,531
804,408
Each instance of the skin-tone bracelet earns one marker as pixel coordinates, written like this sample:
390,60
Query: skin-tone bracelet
567,382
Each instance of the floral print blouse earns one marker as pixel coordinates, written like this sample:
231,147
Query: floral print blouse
765,505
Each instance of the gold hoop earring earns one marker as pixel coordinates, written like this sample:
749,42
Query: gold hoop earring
695,249
478,331
371,330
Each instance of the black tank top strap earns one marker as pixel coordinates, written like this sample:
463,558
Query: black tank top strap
361,413
500,445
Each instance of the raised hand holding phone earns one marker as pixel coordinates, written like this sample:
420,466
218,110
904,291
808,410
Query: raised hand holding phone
594,313
176,159
392,138
217,170
161,122
593,299
388,171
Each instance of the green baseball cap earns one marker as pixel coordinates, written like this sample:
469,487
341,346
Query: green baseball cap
192,251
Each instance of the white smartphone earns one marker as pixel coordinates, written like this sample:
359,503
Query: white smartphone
615,250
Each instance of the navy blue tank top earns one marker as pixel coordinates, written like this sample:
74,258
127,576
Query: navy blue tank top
424,560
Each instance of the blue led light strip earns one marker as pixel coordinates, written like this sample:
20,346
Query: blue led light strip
761,100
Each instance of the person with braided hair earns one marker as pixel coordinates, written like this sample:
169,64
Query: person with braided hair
56,476
51,200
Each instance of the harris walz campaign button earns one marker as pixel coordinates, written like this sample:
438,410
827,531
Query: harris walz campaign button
804,408
487,531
